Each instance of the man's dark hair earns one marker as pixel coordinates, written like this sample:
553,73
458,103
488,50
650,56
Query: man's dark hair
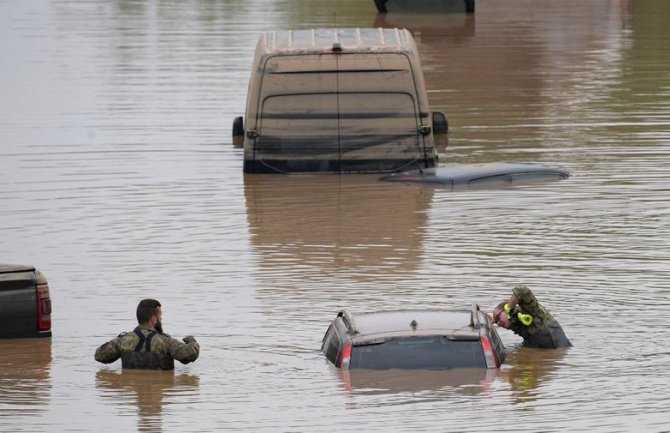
147,308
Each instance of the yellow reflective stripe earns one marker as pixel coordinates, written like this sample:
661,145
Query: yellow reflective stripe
526,319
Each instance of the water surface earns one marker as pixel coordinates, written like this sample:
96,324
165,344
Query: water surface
119,181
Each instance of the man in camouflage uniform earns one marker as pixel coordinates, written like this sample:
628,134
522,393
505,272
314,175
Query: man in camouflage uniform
529,319
147,347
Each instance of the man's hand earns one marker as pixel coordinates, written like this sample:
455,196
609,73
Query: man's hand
189,339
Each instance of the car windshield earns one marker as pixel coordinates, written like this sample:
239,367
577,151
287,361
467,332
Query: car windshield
429,353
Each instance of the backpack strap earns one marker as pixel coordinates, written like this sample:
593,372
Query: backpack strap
151,335
139,345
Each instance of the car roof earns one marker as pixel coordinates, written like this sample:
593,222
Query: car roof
382,325
463,174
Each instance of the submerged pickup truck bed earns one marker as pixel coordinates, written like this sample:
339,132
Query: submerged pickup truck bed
25,304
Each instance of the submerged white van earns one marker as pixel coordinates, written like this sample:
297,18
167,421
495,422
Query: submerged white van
338,101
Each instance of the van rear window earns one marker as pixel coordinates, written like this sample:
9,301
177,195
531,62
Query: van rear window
430,353
345,132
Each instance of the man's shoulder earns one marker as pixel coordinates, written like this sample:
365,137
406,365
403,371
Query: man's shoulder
125,338
163,337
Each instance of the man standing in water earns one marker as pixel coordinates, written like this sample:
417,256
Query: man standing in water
529,319
147,347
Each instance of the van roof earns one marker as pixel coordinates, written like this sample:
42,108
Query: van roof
320,40
6,269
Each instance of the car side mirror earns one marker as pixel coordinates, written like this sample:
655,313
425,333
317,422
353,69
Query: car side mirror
440,124
238,132
440,129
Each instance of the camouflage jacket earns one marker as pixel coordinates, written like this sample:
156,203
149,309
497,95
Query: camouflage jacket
160,343
527,304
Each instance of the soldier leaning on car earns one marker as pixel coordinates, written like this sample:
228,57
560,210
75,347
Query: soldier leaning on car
529,319
146,347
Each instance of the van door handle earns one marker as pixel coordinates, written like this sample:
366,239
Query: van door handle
252,133
424,130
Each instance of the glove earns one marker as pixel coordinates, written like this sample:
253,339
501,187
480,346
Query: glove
526,319
189,339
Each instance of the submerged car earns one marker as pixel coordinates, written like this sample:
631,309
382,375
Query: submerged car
25,303
473,176
413,339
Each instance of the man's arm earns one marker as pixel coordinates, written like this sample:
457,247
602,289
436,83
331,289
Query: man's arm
513,300
108,352
525,298
185,352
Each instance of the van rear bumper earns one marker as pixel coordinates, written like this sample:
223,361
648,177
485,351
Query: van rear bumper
339,166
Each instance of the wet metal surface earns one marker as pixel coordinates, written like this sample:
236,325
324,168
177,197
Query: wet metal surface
118,180
491,175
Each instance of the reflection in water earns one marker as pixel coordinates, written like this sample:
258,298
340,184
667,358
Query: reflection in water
468,381
452,26
112,169
529,370
327,223
147,389
412,386
316,235
25,375
482,76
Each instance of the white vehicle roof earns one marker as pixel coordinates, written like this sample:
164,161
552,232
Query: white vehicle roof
319,40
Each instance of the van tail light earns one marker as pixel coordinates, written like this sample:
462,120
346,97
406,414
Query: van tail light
345,356
489,354
43,308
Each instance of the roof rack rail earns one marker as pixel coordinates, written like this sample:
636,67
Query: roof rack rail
348,320
474,316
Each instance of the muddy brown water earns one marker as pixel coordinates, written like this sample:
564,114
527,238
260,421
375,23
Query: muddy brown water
119,181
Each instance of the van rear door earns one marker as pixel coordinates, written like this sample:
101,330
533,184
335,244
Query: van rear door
298,125
378,113
342,113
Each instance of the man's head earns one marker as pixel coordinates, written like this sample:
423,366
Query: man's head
500,317
149,313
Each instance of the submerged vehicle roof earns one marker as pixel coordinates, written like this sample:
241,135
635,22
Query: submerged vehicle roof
480,175
7,268
386,324
334,39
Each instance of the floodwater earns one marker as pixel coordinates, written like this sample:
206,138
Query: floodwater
118,179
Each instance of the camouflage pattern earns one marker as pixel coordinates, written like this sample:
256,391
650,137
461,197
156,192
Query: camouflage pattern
544,331
185,352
